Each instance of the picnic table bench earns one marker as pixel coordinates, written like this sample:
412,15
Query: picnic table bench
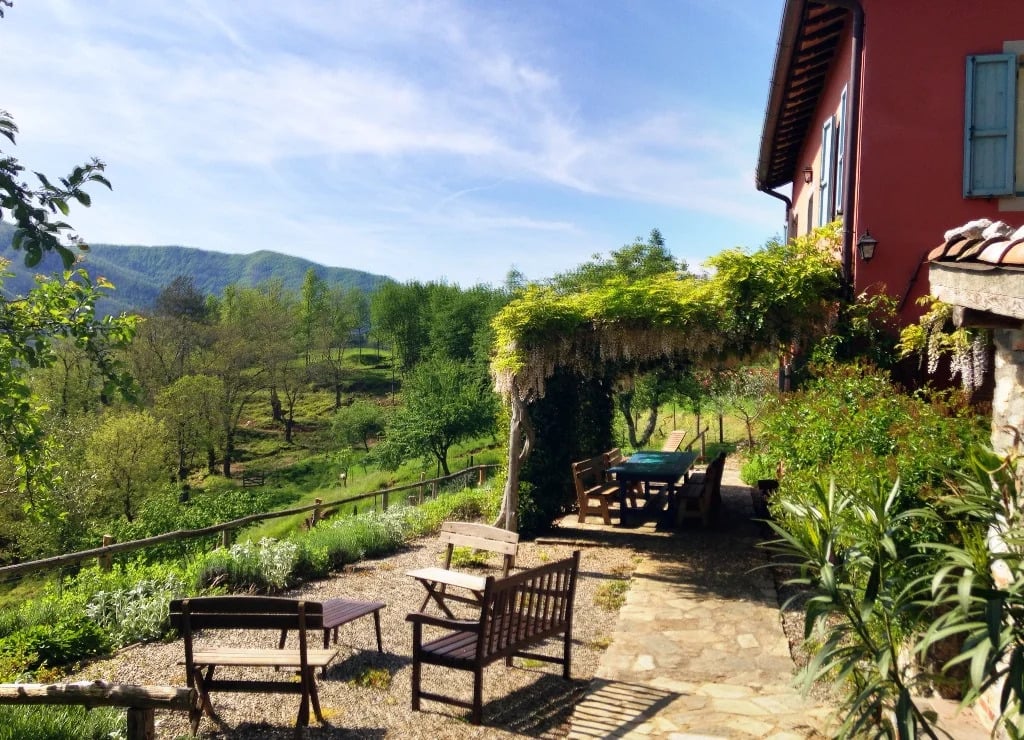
254,613
594,492
517,613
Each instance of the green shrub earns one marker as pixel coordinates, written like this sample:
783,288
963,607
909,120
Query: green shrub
264,566
62,723
135,614
67,641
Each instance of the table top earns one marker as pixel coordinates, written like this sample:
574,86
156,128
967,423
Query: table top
646,463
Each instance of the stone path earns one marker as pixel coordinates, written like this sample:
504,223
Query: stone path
699,651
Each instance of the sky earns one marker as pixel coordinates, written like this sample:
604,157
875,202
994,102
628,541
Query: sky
433,141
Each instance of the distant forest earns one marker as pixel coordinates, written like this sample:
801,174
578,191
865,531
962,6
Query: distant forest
140,273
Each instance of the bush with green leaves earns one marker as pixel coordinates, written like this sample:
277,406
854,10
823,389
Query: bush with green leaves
854,426
863,602
264,566
66,641
138,613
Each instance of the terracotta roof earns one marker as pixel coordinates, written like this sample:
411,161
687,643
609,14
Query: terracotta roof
979,245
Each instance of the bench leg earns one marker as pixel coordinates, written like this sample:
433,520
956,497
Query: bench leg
478,696
314,697
376,625
417,668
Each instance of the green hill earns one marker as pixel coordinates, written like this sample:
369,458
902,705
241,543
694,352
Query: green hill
139,273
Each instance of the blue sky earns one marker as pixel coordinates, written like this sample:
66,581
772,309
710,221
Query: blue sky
419,140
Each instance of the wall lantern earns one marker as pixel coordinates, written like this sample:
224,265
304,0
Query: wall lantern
866,246
808,174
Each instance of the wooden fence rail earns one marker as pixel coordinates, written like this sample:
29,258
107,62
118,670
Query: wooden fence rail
141,701
104,553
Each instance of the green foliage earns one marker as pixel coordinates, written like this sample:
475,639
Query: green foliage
852,424
61,643
641,259
358,423
61,723
864,601
446,402
571,422
781,294
977,587
265,566
611,596
467,557
138,613
934,337
128,453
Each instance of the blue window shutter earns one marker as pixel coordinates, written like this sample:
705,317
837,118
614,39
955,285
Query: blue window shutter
989,125
825,201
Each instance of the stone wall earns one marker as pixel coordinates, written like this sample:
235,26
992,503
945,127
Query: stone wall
1008,399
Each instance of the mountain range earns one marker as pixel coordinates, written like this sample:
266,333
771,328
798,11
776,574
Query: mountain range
139,273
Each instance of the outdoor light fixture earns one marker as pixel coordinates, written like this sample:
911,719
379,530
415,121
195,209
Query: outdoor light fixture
808,174
866,245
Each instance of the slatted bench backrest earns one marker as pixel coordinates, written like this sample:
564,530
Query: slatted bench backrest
480,537
527,608
245,612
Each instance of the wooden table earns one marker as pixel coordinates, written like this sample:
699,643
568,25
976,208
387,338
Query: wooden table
651,466
337,612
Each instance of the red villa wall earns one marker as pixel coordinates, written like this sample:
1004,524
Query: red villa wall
910,165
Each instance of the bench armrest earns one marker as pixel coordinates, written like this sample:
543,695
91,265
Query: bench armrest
461,625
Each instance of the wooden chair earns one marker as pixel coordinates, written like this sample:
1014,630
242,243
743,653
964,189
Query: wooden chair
673,440
612,458
465,534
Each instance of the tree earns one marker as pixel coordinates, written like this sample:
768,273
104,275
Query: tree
396,312
343,313
55,308
445,402
128,453
750,389
190,412
641,259
358,423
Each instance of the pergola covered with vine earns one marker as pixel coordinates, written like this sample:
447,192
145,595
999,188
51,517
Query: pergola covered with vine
775,298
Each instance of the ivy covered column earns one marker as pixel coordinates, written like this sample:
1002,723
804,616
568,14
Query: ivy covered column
572,421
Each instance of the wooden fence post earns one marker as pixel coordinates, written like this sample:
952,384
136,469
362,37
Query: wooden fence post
106,560
433,489
225,538
141,724
318,512
480,479
421,489
384,502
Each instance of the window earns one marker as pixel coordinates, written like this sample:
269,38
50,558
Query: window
990,125
825,213
840,151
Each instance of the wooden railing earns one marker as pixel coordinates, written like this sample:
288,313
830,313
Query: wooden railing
702,438
141,701
382,498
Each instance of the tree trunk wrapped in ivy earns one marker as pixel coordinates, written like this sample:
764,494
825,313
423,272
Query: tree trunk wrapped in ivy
572,421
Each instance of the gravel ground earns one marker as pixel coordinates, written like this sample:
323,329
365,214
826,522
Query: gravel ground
528,699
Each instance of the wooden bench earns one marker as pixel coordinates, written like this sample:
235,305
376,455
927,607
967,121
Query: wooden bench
701,498
594,492
518,612
251,613
465,534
